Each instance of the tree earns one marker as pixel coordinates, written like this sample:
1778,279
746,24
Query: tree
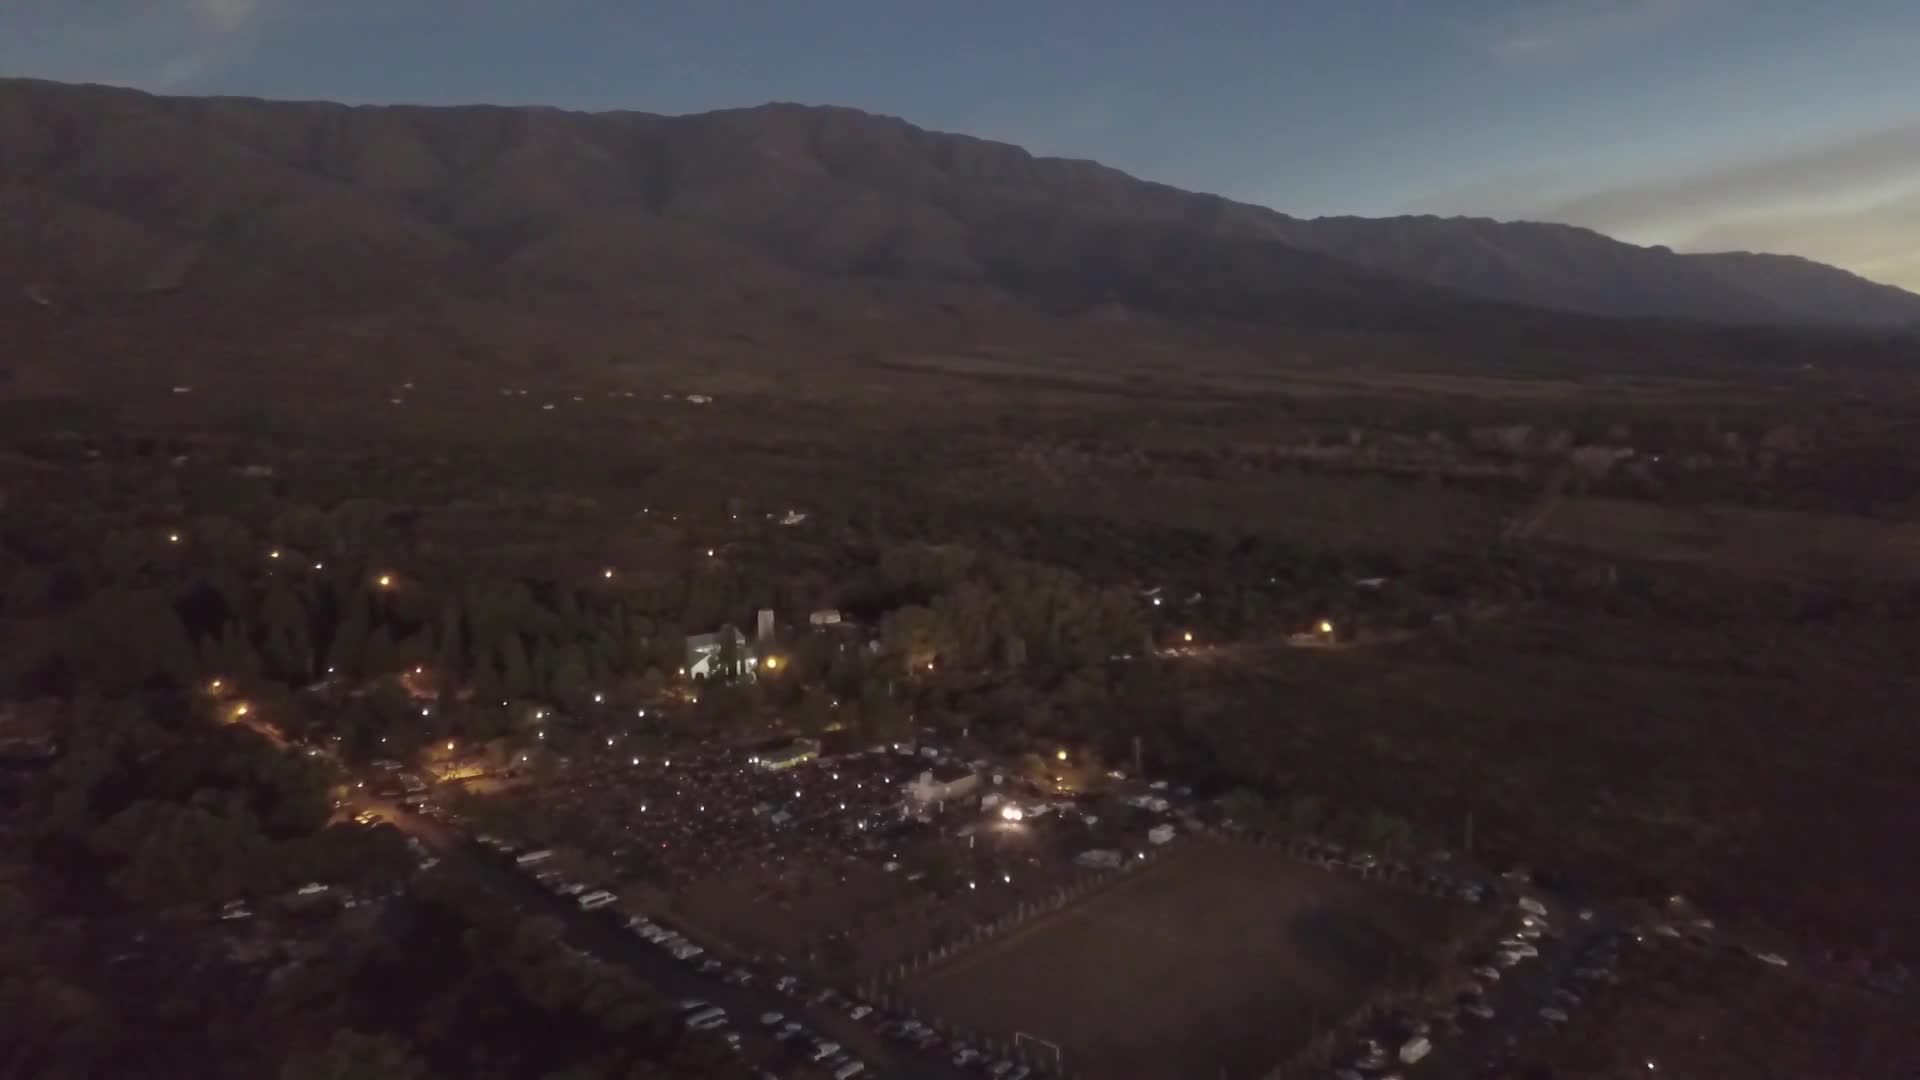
352,1055
881,718
816,710
1304,813
1245,806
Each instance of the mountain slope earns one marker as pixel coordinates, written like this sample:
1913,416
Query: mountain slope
109,191
1576,269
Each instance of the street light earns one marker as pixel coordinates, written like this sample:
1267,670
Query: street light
607,573
1187,636
274,554
173,538
216,686
1060,754
385,581
1326,627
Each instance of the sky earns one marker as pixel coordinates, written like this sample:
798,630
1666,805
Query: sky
1789,126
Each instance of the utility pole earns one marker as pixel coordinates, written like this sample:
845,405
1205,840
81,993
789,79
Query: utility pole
1139,758
1469,844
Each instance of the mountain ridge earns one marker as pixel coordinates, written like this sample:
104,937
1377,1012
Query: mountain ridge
104,189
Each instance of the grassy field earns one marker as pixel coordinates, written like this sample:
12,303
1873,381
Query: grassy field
1772,545
1220,960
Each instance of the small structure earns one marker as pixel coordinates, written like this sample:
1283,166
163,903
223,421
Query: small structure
792,517
824,617
763,625
1159,834
707,654
29,731
786,757
699,399
942,784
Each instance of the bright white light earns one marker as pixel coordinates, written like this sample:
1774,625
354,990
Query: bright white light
636,761
1012,813
599,699
1008,878
973,884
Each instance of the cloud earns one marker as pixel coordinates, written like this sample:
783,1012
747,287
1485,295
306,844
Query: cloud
216,31
1551,29
1820,174
1852,200
1879,240
153,45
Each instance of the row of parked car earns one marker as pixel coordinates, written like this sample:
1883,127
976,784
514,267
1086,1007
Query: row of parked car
1433,877
808,1047
1403,1040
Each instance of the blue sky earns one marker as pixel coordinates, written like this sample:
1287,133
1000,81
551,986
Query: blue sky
1780,125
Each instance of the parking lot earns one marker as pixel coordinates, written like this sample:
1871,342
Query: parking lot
824,863
1224,958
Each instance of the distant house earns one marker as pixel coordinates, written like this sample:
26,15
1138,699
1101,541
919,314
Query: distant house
827,617
699,399
29,731
705,653
943,784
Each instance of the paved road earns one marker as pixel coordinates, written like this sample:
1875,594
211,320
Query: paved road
599,934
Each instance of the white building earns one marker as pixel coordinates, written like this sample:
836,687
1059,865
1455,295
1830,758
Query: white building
942,784
704,654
